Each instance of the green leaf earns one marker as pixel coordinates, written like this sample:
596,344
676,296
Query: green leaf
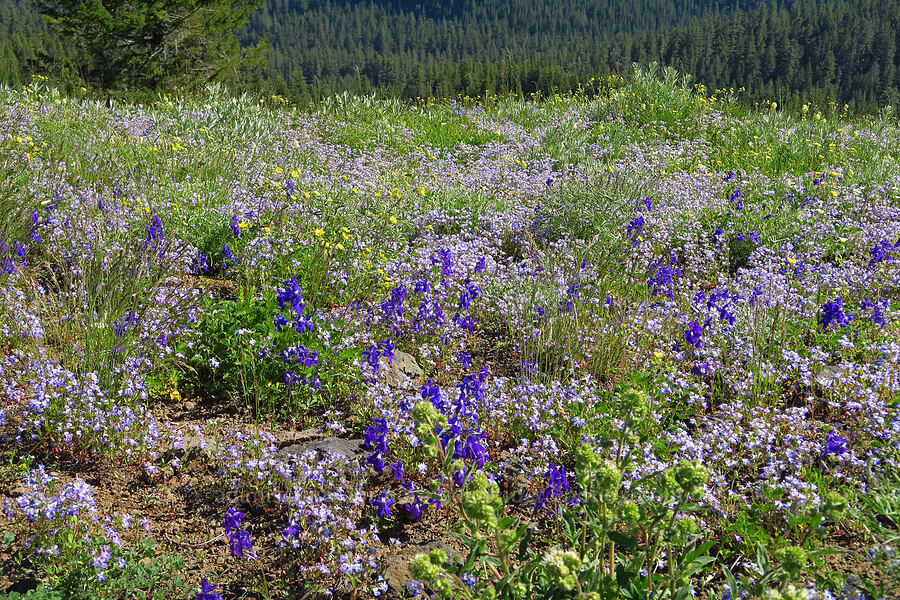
621,539
470,561
762,558
525,533
506,522
684,592
732,584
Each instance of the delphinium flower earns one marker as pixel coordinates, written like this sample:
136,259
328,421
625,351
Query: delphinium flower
207,591
376,439
383,505
238,539
290,295
882,251
693,334
834,444
415,508
155,232
557,486
833,314
228,257
635,227
664,277
200,263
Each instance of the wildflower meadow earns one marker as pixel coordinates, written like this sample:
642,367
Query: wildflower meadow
635,342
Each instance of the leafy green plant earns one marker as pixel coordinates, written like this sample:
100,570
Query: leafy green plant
776,573
270,354
138,573
882,518
57,538
636,543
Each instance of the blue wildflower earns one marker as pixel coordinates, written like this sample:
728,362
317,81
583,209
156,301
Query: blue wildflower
835,444
233,520
207,591
414,509
693,334
832,313
382,505
240,543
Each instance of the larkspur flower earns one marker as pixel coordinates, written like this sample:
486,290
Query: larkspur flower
233,520
835,444
207,591
383,505
833,314
693,335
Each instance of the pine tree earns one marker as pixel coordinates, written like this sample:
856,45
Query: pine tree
155,44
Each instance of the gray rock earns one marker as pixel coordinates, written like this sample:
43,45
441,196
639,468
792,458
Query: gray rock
193,446
828,375
349,449
189,405
287,438
402,371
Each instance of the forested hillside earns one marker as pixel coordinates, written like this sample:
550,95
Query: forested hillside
26,44
789,51
792,51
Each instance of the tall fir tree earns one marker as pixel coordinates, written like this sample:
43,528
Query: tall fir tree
155,44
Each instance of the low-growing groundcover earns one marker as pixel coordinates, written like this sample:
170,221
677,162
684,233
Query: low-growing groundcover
642,344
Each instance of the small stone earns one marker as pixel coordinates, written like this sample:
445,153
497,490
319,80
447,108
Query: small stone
402,371
828,375
349,449
287,438
189,405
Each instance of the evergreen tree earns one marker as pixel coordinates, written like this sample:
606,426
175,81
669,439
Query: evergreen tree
155,44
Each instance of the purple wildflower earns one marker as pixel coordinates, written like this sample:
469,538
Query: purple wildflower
233,520
693,334
207,591
383,505
835,444
832,313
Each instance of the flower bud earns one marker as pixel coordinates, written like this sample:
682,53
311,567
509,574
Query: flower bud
833,507
792,559
607,478
561,567
634,404
423,569
691,477
437,556
685,529
629,513
424,412
586,459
